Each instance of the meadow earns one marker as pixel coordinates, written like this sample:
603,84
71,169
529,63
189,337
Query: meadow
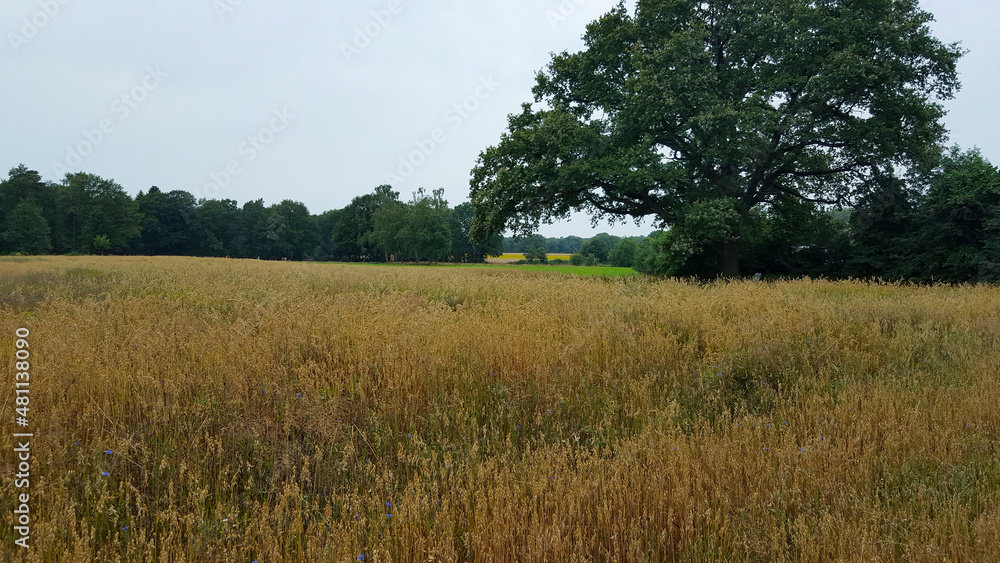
192,409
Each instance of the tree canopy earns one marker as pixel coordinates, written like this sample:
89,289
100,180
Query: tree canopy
697,112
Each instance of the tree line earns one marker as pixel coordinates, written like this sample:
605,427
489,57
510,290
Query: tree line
87,214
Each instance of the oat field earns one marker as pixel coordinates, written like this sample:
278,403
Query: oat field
224,410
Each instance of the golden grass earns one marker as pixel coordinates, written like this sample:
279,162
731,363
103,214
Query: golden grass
269,411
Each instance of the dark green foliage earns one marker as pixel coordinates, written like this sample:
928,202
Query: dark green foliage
426,235
167,221
463,249
24,185
351,237
596,249
962,214
26,230
948,233
622,254
91,206
536,255
698,112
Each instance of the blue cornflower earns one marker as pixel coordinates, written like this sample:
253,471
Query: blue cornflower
105,474
109,452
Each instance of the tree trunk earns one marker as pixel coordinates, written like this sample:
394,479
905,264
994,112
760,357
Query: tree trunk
729,259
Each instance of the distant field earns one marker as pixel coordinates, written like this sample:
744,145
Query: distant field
610,271
520,256
241,410
577,270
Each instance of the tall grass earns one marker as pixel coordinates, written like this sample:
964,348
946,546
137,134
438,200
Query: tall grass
282,412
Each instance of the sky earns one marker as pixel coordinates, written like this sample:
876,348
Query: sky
320,103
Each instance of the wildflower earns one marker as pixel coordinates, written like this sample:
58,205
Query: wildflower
109,452
388,505
105,474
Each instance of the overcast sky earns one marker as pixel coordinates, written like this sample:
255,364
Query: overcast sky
319,103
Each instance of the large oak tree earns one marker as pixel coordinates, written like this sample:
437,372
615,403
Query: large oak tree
695,112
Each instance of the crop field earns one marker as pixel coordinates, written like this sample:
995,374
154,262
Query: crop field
520,256
604,271
191,409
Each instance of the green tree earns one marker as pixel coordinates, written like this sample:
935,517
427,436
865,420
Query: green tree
25,185
324,231
299,237
92,206
387,223
623,253
596,249
696,112
254,217
167,219
883,226
352,235
960,221
101,245
217,228
27,231
426,235
463,249
536,255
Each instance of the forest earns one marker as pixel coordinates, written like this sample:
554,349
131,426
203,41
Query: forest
940,226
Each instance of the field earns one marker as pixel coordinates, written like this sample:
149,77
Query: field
228,410
606,271
510,257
